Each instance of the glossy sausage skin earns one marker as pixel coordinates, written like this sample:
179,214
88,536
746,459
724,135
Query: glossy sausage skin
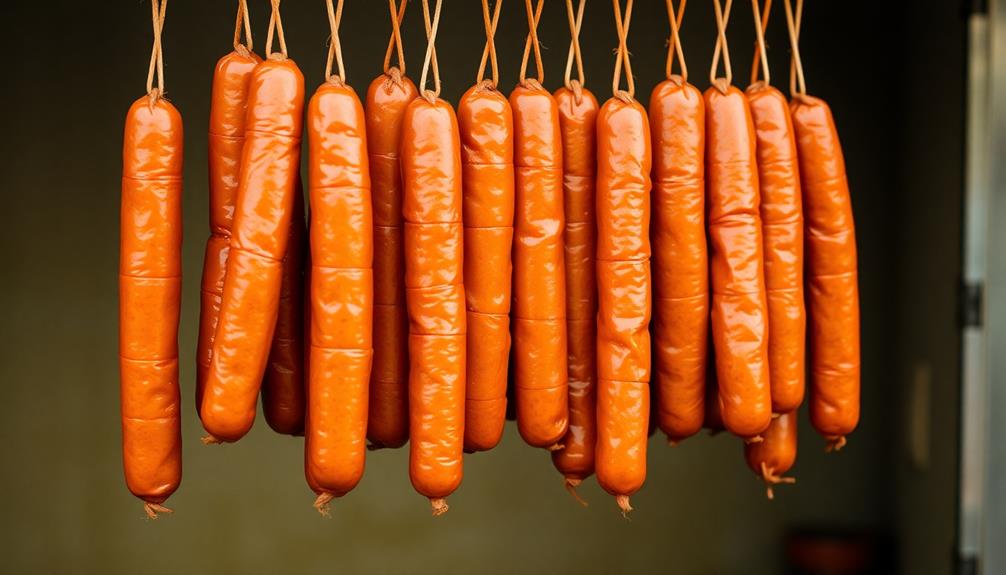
435,293
150,279
739,308
539,287
342,290
623,285
388,421
782,235
833,295
228,101
283,394
486,125
578,123
775,455
269,164
680,259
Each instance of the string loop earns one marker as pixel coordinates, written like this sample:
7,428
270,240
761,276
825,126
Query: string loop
489,52
796,64
397,15
622,55
575,22
275,26
533,17
243,22
157,10
760,60
674,46
431,52
722,18
334,45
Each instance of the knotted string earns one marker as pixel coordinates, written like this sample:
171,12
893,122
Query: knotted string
575,22
674,46
157,10
533,16
275,25
243,22
334,46
489,52
431,52
623,53
796,64
397,14
761,53
722,18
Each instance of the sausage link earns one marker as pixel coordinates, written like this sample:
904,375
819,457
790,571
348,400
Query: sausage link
782,234
578,124
830,237
539,287
388,421
680,259
486,125
228,105
623,279
739,308
775,454
342,291
435,294
150,278
269,164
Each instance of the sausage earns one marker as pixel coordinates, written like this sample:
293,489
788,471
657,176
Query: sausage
228,101
486,131
269,164
771,458
150,278
578,124
283,394
342,291
680,259
623,285
833,294
539,287
739,308
435,294
782,235
388,421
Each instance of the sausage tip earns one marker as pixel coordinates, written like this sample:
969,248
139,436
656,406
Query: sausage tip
623,504
208,439
439,506
152,509
571,484
321,503
835,443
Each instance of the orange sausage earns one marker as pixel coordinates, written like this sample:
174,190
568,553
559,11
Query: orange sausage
680,260
486,125
342,291
776,454
739,308
269,165
388,421
578,125
833,296
539,288
228,104
782,234
623,285
150,279
435,293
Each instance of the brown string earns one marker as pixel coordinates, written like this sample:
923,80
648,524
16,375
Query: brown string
623,53
431,52
674,46
243,22
575,22
334,46
396,37
772,479
157,10
489,52
761,52
722,18
533,17
275,25
796,64
152,509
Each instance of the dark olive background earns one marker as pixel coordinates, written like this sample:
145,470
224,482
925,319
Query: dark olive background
895,83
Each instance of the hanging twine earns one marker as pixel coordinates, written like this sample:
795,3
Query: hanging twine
722,18
243,22
334,46
489,52
796,64
157,10
431,52
275,26
760,60
395,43
575,22
674,47
622,56
533,16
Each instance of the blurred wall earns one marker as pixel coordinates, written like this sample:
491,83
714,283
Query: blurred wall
75,68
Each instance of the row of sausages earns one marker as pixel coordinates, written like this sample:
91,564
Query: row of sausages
518,245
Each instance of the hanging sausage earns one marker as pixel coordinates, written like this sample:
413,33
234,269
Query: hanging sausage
771,458
680,262
150,281
387,97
